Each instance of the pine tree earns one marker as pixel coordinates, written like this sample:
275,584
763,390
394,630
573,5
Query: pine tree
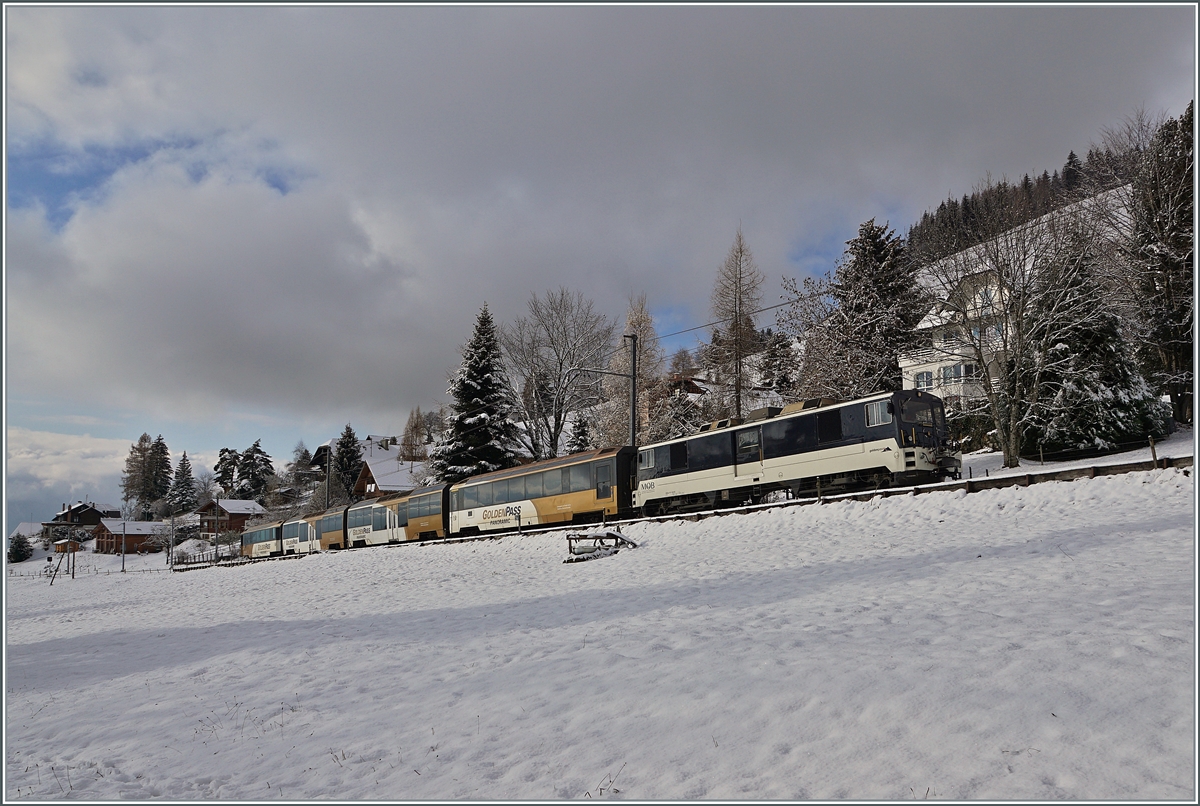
481,436
19,548
347,459
183,497
226,470
160,470
1090,393
254,470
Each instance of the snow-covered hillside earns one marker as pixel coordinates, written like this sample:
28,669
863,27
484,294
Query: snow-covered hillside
1024,643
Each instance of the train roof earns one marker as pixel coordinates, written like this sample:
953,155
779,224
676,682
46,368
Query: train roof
544,464
790,410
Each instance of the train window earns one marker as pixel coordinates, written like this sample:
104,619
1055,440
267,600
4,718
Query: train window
879,413
378,518
916,411
499,492
533,485
662,460
516,489
748,446
679,456
829,426
434,502
706,453
788,437
290,530
552,482
645,459
470,498
581,478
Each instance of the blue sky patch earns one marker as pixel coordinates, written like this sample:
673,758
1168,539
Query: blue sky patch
57,176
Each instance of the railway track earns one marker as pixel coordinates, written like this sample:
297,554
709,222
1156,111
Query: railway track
970,485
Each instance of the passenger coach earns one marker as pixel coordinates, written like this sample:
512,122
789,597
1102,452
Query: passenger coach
581,488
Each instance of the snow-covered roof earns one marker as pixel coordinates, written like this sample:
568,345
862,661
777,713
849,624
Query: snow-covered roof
238,506
118,526
27,529
389,472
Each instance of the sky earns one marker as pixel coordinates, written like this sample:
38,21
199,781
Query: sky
225,224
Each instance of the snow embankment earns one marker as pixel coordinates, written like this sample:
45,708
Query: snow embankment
1026,643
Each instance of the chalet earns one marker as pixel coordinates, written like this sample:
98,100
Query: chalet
383,471
227,515
83,515
116,536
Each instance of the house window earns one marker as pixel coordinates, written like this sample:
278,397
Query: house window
924,380
957,373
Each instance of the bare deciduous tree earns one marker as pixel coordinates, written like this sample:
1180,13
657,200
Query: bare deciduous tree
735,297
548,353
989,296
612,416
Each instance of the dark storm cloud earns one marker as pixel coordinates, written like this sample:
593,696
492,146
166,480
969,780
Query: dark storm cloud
337,190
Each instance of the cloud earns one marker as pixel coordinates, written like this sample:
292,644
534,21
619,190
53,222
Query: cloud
39,461
223,213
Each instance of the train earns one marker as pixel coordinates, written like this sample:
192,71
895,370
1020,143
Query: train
812,447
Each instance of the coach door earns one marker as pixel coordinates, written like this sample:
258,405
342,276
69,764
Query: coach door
747,456
603,481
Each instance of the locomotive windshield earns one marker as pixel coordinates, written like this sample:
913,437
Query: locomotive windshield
922,421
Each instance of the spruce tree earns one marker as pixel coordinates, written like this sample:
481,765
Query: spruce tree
581,435
183,496
481,436
347,459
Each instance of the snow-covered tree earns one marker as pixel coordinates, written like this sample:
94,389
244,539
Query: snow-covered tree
581,435
19,548
481,436
1090,394
857,321
1162,254
779,365
347,459
183,497
254,471
676,414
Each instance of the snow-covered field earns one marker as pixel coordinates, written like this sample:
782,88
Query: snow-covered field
1025,643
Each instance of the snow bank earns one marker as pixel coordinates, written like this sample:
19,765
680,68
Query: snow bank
1026,643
